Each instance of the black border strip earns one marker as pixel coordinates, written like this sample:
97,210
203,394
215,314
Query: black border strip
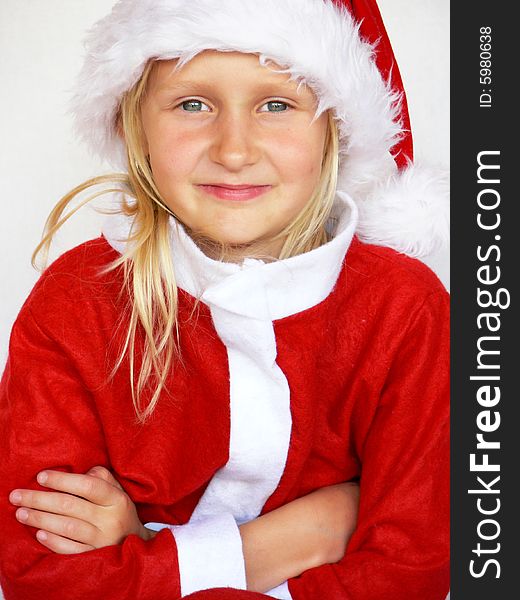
485,257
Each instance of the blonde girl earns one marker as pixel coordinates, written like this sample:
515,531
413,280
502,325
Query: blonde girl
240,388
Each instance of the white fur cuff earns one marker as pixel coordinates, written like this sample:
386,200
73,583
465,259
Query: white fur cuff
209,553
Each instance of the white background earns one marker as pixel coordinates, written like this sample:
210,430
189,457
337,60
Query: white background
41,50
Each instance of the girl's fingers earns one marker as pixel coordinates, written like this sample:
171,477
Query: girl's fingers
105,474
68,527
61,545
91,488
54,502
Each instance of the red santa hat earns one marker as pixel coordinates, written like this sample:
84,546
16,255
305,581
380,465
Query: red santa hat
340,48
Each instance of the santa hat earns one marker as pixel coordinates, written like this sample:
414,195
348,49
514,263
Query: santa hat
340,48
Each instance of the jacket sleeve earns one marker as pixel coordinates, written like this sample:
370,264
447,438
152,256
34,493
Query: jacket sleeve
48,419
400,548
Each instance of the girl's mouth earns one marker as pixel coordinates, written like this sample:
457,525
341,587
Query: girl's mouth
235,192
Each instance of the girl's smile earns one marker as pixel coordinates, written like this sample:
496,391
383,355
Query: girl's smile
224,122
239,193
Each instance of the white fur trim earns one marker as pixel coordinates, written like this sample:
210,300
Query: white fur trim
312,39
260,413
209,553
283,287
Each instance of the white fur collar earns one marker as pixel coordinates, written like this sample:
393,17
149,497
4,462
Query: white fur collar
265,291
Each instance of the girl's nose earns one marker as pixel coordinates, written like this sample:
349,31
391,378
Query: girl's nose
234,144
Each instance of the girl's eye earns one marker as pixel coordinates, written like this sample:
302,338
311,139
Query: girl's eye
192,105
276,106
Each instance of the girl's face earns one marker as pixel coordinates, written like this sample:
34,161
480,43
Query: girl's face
224,120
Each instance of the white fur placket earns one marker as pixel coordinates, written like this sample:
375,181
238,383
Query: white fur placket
259,407
244,300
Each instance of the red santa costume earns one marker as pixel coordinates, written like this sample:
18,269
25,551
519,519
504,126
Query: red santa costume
297,374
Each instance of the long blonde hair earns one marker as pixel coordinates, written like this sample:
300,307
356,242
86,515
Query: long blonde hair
147,262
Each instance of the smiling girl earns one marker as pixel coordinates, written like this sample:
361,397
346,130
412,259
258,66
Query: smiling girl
240,387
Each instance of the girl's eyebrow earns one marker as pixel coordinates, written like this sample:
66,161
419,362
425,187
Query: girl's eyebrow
180,85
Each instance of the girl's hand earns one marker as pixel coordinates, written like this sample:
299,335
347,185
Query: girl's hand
94,511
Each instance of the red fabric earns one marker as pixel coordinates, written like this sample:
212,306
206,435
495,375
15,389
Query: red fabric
368,373
373,30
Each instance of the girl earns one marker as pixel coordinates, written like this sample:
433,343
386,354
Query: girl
197,386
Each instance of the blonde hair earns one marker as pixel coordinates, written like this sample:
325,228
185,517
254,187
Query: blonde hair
149,276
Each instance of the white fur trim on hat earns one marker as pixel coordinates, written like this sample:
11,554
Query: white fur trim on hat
311,40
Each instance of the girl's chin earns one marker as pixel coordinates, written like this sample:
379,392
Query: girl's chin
234,248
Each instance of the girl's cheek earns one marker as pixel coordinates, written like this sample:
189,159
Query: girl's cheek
299,158
180,148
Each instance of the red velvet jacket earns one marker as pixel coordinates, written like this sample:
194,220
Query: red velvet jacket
368,376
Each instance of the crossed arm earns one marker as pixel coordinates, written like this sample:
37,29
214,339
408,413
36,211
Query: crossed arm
85,512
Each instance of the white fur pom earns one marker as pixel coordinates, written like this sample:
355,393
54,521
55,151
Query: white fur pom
408,212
